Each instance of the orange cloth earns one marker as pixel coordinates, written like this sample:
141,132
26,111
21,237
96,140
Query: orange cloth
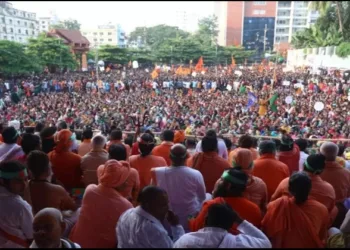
289,225
144,165
246,210
271,171
163,150
179,136
339,178
232,154
290,158
256,192
65,164
128,149
211,166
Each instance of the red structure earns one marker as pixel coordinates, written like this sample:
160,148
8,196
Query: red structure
78,43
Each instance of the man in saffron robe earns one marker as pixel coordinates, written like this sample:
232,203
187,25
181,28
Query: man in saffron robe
296,222
321,190
229,189
270,170
163,149
245,141
256,190
289,153
102,205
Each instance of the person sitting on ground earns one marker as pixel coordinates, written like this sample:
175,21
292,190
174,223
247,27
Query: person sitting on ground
205,160
16,216
222,150
256,190
247,142
101,208
185,186
297,221
142,227
48,227
163,150
47,139
65,164
9,150
289,153
116,137
230,189
145,161
131,187
85,145
191,146
30,142
93,159
321,190
215,233
302,144
270,170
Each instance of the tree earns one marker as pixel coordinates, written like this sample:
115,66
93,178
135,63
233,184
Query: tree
67,24
208,30
113,54
14,59
322,7
51,52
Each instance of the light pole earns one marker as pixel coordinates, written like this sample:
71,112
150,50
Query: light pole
96,59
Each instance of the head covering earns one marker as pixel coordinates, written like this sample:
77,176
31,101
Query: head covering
63,140
243,159
113,173
179,136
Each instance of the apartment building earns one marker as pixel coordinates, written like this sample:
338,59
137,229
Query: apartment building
44,24
105,35
17,25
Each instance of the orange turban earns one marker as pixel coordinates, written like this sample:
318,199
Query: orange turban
113,173
179,136
243,159
63,140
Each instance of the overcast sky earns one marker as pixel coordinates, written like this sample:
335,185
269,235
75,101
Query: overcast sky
128,14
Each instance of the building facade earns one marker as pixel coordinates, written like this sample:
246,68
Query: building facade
44,24
17,25
248,23
106,35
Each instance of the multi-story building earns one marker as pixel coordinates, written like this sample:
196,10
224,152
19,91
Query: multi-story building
17,25
247,23
105,35
44,24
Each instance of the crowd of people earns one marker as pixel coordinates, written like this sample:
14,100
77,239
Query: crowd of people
64,189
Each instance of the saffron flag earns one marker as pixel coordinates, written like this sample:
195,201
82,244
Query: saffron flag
273,105
233,63
154,74
251,99
179,70
200,64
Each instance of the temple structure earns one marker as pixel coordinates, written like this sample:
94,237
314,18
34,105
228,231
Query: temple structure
77,42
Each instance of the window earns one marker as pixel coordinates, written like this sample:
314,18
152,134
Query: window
3,19
44,27
20,38
299,21
284,4
42,22
95,33
101,33
33,33
283,13
12,38
10,21
19,31
109,40
4,29
25,23
5,37
95,39
259,12
18,22
26,32
11,30
109,33
259,3
101,40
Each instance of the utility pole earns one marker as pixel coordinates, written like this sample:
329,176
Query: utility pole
96,60
265,30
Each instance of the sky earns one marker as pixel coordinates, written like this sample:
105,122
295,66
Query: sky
128,14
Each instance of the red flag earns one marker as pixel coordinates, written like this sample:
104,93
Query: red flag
200,64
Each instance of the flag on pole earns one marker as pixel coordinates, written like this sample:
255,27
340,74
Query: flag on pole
233,62
154,74
251,99
273,105
200,64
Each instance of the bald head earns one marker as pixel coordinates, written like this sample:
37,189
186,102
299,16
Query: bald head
48,227
178,155
329,150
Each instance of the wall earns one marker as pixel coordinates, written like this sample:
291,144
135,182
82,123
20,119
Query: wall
253,9
235,11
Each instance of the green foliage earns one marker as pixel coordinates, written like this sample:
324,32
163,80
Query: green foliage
67,24
51,52
14,59
343,50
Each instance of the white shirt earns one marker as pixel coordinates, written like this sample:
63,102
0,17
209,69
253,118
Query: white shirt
138,229
303,157
221,146
212,237
64,244
16,218
185,188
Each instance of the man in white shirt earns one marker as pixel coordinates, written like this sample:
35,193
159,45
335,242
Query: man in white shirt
141,227
215,233
221,145
16,216
302,144
9,150
185,186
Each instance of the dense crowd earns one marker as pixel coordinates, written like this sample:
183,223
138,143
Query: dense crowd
109,190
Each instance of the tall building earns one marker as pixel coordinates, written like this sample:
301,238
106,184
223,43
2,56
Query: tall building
106,35
44,24
17,25
246,23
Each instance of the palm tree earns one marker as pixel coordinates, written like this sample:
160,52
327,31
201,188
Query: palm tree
322,7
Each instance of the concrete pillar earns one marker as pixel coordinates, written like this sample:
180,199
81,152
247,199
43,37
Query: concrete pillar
83,62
